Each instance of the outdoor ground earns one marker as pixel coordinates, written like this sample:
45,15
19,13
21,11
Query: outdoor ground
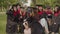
2,23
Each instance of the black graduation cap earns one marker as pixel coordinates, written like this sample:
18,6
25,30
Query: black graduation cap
18,4
58,8
34,8
30,7
22,7
39,5
14,5
56,5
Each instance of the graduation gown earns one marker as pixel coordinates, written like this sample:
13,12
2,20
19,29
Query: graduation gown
37,29
56,22
11,25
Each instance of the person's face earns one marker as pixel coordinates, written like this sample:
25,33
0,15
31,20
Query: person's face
10,7
56,8
48,9
35,10
36,6
15,9
22,10
40,8
18,7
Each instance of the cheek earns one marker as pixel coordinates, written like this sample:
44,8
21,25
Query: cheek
15,9
18,7
40,8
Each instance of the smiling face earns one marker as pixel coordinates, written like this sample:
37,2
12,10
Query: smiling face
18,7
56,8
14,8
40,8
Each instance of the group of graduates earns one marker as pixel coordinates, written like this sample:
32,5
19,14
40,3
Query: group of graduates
33,20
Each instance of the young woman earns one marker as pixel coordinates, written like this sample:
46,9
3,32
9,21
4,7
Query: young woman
21,18
42,20
56,20
11,24
36,26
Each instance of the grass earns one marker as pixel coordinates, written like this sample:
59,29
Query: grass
2,23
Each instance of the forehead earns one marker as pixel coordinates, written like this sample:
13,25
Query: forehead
14,7
56,7
40,6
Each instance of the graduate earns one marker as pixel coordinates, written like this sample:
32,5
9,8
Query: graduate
11,27
56,20
36,26
21,18
49,18
42,16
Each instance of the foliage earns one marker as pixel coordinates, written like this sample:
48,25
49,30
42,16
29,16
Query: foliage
51,3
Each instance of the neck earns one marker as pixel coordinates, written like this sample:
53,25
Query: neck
27,28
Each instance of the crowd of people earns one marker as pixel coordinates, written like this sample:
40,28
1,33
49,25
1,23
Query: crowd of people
33,20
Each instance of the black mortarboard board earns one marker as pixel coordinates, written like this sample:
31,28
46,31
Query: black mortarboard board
14,5
56,5
22,7
30,7
58,8
34,8
18,4
39,5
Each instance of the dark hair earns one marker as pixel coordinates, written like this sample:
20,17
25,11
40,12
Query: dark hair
58,9
39,5
57,6
18,4
22,7
14,5
35,10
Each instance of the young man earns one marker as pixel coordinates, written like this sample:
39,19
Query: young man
49,17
